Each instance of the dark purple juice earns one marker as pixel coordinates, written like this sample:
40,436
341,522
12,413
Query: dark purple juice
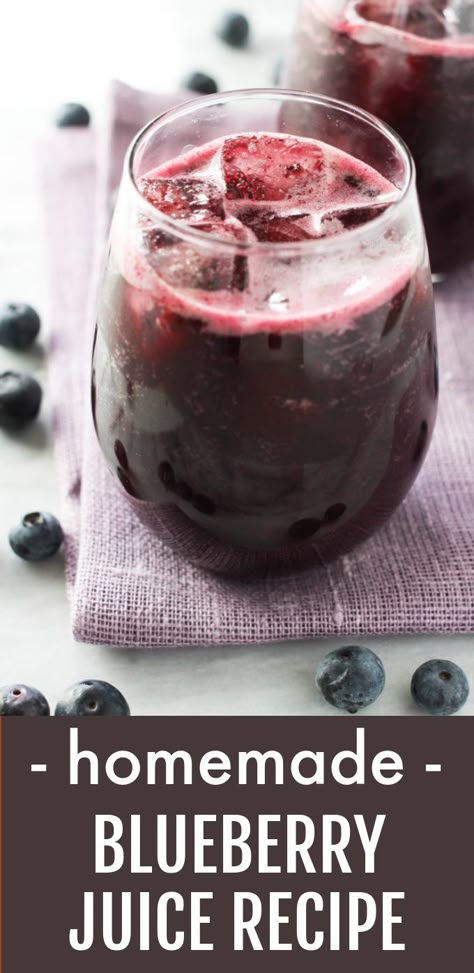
412,65
259,427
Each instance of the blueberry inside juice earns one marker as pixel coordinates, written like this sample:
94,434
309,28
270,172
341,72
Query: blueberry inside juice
412,65
264,407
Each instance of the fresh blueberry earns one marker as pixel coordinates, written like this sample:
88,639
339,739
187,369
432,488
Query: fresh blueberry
233,29
20,700
204,504
166,475
37,537
439,687
203,83
121,454
92,697
334,512
19,325
351,677
72,115
300,530
184,490
20,399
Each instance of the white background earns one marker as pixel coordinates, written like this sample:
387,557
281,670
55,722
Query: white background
54,51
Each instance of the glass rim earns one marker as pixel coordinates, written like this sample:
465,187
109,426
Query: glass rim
298,248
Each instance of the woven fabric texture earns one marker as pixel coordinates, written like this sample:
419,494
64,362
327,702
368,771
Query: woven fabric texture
126,587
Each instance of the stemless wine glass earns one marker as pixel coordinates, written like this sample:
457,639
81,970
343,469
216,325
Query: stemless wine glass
411,63
264,371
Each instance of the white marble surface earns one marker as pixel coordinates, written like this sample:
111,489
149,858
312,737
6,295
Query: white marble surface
60,57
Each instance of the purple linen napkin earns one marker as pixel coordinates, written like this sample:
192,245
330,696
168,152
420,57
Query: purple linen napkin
126,587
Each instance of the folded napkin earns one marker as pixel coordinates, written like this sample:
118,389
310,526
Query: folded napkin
126,587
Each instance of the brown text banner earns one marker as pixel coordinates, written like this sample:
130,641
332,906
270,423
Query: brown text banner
151,843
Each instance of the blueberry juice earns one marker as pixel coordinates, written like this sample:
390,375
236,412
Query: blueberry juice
265,369
411,63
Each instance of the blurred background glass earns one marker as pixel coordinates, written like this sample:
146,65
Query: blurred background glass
410,63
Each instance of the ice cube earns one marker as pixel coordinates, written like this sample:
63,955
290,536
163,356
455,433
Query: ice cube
192,266
270,168
287,190
270,227
343,202
189,198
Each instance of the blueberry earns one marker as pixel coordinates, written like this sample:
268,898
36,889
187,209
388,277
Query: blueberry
302,529
334,512
233,29
127,483
184,490
166,475
121,454
203,83
203,504
351,677
19,325
92,697
37,537
20,399
20,700
72,115
439,687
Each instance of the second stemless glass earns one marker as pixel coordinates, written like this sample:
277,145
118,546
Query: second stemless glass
411,63
265,403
